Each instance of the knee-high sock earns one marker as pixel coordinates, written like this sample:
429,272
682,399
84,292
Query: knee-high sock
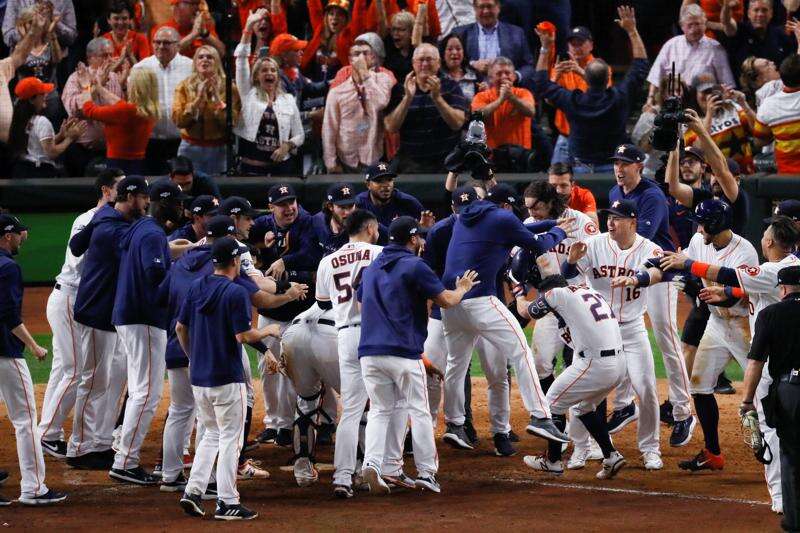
554,448
247,421
547,382
121,417
597,429
602,411
708,413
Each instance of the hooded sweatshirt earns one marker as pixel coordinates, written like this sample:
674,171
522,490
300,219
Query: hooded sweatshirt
394,291
483,237
144,263
99,242
215,311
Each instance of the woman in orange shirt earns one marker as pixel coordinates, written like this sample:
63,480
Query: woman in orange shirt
127,124
335,29
126,42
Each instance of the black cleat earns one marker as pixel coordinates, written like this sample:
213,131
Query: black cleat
176,485
343,492
233,512
192,504
51,497
513,437
137,476
90,461
55,448
682,432
456,437
285,438
472,434
267,436
724,385
622,417
665,413
502,445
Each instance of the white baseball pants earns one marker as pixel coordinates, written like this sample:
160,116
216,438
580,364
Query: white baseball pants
585,383
546,344
221,412
487,317
179,422
145,347
279,393
59,397
115,393
390,380
722,340
17,391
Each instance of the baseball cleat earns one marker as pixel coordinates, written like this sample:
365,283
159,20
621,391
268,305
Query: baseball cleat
210,493
503,446
267,436
373,478
456,437
472,434
4,502
705,460
652,461
304,472
250,445
622,417
249,469
428,483
724,385
325,434
665,413
541,463
682,432
176,485
285,438
513,437
400,480
51,497
192,504
581,456
158,470
137,476
55,448
233,512
777,507
342,492
91,461
544,428
3,476
611,465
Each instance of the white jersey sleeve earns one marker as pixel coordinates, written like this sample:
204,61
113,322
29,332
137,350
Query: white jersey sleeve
588,316
585,229
70,274
760,284
323,294
340,276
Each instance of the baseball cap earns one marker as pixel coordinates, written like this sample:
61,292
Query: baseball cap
502,193
220,226
623,208
628,153
402,229
167,191
341,194
11,224
789,275
286,42
691,151
132,185
733,166
464,195
31,86
703,82
225,249
181,165
341,4
786,208
580,32
236,205
378,171
281,193
203,205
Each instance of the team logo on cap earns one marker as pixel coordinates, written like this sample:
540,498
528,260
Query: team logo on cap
464,197
235,210
382,166
615,204
284,190
9,227
166,194
131,187
621,150
346,190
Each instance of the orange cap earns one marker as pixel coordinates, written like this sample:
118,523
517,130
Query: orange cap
286,42
341,4
29,87
547,26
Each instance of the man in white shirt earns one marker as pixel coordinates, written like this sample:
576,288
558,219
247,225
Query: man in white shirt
170,69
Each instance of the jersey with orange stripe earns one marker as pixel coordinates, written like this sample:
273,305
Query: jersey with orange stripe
730,130
760,283
585,228
779,117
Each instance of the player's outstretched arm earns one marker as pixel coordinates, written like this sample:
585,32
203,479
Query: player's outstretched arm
720,274
255,335
448,298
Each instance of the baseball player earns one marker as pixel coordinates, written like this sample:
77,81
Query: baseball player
89,446
544,203
727,334
384,200
483,236
758,283
599,260
200,212
598,366
59,397
16,386
393,292
662,309
213,322
340,202
142,324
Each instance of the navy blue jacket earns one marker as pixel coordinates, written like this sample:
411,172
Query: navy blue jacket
394,293
483,237
329,241
99,240
401,204
436,242
597,117
653,220
513,45
10,305
144,264
184,232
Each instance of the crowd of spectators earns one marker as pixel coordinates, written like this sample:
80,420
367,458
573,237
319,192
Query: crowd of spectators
286,88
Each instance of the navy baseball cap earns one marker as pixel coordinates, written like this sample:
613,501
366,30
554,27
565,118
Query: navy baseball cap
623,208
281,192
628,153
236,205
733,166
11,224
224,249
503,193
464,195
789,275
341,194
786,208
167,191
203,205
691,151
402,229
379,171
220,226
580,32
132,185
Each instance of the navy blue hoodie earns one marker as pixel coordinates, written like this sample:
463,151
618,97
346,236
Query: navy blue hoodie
483,237
99,240
143,265
401,204
329,241
10,306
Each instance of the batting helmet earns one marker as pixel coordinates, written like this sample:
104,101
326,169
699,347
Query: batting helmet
715,215
523,268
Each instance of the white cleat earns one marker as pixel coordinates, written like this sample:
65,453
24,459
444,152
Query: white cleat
611,466
541,463
652,461
304,472
251,470
373,478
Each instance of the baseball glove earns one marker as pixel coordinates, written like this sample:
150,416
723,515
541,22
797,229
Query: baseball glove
754,438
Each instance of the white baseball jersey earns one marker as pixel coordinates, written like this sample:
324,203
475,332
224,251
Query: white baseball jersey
338,275
588,317
761,284
584,229
604,261
738,252
70,274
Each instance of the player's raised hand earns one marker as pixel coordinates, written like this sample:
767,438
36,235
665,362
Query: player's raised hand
627,18
674,261
567,224
713,295
576,252
427,219
622,281
297,291
467,281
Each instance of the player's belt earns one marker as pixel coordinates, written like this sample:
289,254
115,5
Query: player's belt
603,353
350,326
323,321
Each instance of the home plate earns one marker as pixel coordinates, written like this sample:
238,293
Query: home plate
321,467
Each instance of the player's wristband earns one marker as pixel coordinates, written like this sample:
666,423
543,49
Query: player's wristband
697,268
282,285
734,292
643,278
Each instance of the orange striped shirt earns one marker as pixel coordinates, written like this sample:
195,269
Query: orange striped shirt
779,118
730,129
